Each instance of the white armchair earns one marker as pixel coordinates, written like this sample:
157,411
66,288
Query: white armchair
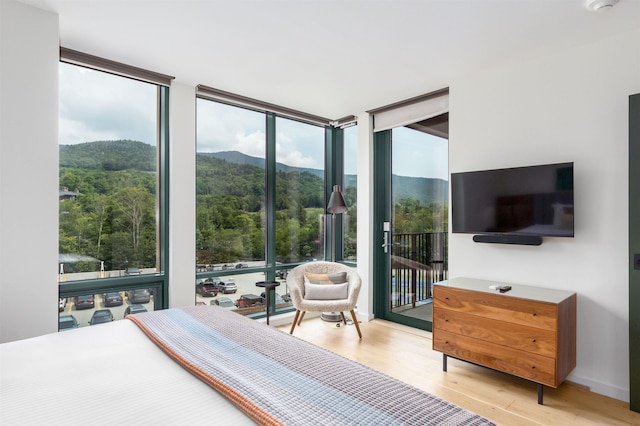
306,296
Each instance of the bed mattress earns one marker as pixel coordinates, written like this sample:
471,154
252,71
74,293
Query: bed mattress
101,375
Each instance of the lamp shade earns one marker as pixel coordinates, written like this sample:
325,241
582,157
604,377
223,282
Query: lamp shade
336,201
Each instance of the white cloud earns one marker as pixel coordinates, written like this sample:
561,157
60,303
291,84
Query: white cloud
296,159
98,106
251,144
226,128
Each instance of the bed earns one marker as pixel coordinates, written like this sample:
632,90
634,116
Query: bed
201,365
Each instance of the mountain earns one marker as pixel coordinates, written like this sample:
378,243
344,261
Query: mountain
240,158
109,155
133,155
425,190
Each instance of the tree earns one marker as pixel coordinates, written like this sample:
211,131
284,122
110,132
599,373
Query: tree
136,204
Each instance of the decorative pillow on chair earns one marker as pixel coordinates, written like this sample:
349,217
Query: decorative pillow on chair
326,286
335,278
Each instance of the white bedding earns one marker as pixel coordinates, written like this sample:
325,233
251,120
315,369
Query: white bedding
105,374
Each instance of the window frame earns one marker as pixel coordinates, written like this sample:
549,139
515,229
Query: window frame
334,175
158,280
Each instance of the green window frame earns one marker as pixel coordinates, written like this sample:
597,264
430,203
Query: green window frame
156,282
333,175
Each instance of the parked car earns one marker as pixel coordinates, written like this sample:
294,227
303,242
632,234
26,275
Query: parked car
134,309
282,274
249,300
223,302
241,266
84,302
67,322
101,316
132,270
113,299
279,300
226,287
139,295
62,303
207,288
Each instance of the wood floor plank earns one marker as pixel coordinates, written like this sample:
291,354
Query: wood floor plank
405,353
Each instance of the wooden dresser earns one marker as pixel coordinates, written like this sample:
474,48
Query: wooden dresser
528,332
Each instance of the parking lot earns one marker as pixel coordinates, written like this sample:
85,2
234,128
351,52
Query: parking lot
83,316
246,284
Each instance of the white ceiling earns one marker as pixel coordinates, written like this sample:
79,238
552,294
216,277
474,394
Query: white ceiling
330,58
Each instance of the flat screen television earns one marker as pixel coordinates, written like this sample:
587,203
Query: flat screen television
528,201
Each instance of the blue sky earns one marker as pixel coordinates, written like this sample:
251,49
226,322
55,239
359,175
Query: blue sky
99,106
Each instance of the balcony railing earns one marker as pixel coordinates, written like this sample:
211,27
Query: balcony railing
418,261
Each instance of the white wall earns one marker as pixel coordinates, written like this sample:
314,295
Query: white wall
28,171
365,216
182,195
571,106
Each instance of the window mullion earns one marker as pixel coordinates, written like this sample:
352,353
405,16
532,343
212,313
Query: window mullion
270,194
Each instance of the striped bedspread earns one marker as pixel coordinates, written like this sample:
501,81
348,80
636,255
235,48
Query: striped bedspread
276,378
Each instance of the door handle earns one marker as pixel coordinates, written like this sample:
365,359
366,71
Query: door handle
386,226
385,241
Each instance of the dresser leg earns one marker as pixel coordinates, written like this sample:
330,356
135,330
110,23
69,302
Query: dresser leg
444,362
540,391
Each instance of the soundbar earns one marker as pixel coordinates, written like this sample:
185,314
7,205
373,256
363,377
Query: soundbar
526,240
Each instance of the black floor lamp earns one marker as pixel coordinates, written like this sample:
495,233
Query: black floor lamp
336,206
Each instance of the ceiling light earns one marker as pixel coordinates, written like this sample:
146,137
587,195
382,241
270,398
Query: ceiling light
600,5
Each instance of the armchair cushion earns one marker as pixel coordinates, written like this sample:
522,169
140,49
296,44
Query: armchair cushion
334,278
326,291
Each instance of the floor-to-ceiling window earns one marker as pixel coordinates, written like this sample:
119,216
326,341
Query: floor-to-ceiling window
112,194
350,223
230,186
260,195
300,200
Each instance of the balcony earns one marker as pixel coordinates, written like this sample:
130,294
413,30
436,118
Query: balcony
418,260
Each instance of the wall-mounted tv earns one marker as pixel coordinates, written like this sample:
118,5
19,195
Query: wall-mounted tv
527,201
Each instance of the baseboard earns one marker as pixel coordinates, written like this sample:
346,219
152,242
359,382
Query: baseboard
600,388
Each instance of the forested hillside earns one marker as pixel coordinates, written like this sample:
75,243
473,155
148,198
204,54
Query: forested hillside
113,218
109,155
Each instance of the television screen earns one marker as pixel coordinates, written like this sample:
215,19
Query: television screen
534,200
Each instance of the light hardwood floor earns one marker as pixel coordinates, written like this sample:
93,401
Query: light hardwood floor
405,353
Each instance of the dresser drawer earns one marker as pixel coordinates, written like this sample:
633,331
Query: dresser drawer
537,368
497,306
525,338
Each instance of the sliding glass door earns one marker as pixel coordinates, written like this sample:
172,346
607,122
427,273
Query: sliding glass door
412,188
